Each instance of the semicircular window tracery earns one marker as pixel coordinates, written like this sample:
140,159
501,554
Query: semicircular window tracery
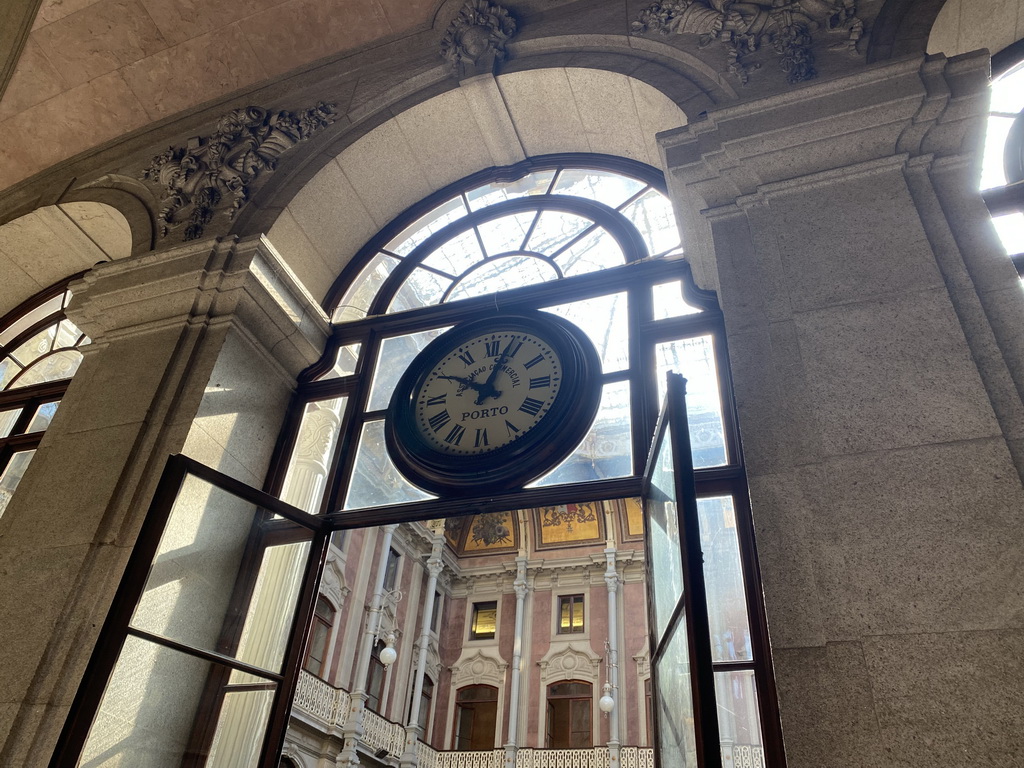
547,224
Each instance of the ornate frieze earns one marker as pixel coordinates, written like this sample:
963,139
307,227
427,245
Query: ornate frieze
475,40
746,27
215,172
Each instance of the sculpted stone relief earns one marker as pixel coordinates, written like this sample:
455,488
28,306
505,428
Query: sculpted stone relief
211,173
745,27
476,38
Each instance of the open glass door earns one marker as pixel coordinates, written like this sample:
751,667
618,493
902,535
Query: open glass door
685,716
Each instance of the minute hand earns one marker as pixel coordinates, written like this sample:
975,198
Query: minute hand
474,385
488,388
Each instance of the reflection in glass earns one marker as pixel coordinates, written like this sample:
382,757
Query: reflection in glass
595,251
608,188
375,480
67,334
42,417
8,420
427,225
532,184
665,554
739,721
507,233
395,355
31,318
36,346
456,255
345,363
305,482
501,274
12,475
604,320
421,289
244,713
677,738
669,301
53,367
554,229
355,304
694,358
652,215
607,450
723,579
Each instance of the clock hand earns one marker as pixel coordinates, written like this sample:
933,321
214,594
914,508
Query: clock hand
474,385
488,387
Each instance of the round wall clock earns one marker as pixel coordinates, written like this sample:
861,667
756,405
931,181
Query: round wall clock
492,404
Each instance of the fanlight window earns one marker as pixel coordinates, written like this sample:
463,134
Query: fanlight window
1003,162
548,225
38,355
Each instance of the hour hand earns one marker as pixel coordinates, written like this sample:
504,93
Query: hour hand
474,385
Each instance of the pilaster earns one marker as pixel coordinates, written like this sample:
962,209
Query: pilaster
174,336
877,375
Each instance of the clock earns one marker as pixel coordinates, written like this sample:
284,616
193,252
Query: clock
492,404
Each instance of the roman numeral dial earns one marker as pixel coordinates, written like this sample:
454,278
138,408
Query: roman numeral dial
488,392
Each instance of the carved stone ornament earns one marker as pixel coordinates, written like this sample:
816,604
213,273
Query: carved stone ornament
476,38
215,172
745,27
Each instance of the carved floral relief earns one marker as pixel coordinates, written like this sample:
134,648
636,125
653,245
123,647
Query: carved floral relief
476,37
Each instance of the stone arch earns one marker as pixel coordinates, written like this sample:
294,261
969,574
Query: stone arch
484,122
479,669
53,242
571,662
132,199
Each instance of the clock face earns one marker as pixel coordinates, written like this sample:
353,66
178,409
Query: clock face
488,392
492,404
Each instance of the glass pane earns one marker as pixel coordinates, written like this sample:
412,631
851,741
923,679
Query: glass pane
456,255
425,226
8,370
395,355
662,520
1008,91
59,365
652,215
507,233
608,188
723,579
739,721
554,229
669,302
152,704
310,463
345,363
992,172
532,184
695,360
355,304
420,289
605,320
35,347
607,449
12,475
8,420
502,274
243,719
42,417
597,251
188,591
67,334
375,480
1010,229
674,699
31,318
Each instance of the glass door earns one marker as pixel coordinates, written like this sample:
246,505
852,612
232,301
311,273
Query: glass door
685,716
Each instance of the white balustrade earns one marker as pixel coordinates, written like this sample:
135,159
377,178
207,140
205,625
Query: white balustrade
490,759
379,733
316,698
636,757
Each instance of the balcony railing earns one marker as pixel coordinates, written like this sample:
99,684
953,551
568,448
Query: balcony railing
329,707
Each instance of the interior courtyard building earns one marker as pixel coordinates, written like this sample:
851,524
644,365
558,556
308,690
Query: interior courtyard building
230,233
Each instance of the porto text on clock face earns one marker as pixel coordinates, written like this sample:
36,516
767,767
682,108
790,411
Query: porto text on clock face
487,393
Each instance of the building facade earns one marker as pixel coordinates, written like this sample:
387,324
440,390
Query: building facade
224,182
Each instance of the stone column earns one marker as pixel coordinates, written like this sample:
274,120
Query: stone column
611,580
353,728
413,731
874,330
520,585
180,338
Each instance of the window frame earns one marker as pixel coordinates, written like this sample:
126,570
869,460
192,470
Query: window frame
475,610
573,599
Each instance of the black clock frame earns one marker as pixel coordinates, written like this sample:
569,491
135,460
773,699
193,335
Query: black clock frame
537,451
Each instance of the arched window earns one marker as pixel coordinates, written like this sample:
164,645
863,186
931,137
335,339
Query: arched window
476,717
38,356
316,651
1002,179
570,708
